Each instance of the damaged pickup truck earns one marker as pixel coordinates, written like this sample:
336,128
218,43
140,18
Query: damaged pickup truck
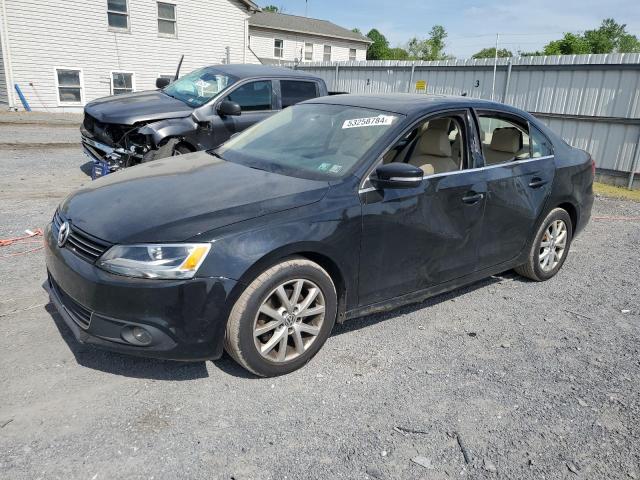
199,111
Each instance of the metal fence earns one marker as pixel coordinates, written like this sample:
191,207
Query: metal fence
593,101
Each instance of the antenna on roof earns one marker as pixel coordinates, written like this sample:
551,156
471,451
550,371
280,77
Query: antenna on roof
306,8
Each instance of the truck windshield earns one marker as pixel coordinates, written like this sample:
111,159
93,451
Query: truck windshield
315,141
198,87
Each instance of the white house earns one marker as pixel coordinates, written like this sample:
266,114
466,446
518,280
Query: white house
64,53
276,38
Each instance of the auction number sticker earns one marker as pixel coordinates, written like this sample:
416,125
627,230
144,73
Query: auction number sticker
369,121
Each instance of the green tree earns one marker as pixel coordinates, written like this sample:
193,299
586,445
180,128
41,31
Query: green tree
272,9
379,49
431,48
491,53
397,54
570,44
609,37
356,30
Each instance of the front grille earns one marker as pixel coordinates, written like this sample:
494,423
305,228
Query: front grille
85,246
79,314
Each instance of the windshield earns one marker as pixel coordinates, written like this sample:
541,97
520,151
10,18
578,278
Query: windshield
198,87
311,140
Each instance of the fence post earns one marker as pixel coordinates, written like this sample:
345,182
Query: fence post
335,81
506,85
413,70
634,164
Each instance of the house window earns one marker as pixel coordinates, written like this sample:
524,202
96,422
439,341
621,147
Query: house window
278,48
118,14
308,51
352,54
121,82
327,53
69,84
167,24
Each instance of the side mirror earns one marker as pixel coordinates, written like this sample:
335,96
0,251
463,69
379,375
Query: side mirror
397,175
227,108
162,82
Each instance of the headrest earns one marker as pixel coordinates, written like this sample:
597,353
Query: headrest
440,124
427,169
507,139
434,142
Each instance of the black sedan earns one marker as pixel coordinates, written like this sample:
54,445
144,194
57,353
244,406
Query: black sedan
332,209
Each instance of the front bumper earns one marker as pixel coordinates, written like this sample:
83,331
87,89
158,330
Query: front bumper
186,318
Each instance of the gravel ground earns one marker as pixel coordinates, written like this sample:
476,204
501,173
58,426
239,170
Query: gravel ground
528,380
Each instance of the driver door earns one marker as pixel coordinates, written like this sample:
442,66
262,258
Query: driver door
415,238
257,101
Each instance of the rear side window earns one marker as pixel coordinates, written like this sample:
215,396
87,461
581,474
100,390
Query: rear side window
540,144
503,140
254,96
294,91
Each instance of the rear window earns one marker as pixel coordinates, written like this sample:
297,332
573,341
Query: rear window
295,91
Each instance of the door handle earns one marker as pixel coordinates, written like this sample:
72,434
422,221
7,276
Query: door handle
537,182
472,198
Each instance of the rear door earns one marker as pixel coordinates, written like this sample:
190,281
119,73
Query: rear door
419,237
257,100
296,91
518,169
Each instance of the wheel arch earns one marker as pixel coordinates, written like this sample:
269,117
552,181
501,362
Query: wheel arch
312,251
572,210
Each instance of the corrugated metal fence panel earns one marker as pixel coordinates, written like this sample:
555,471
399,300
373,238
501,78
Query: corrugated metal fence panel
606,87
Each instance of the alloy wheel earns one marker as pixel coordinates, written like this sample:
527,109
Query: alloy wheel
289,320
553,245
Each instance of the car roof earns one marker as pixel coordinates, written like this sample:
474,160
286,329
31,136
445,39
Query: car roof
245,71
411,103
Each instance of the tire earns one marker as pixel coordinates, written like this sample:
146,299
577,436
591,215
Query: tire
268,354
181,149
544,242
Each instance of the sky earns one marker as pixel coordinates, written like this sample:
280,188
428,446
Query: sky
524,25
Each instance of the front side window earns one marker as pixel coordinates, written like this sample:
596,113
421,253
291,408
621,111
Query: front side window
118,14
199,87
352,54
435,146
121,82
308,51
294,91
278,48
540,144
69,86
253,96
503,140
327,53
167,23
316,141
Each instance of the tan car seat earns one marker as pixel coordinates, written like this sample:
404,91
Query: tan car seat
505,145
434,149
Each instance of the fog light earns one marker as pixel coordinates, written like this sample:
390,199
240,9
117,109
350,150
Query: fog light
141,335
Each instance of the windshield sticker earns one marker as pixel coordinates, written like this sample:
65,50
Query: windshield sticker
368,122
323,167
335,168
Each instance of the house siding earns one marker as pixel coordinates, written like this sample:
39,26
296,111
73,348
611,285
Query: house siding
262,43
45,34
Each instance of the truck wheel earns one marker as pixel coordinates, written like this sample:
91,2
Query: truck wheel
549,248
282,318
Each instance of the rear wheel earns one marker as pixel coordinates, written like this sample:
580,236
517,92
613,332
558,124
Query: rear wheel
282,318
549,248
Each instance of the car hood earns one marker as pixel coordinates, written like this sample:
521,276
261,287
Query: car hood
137,107
177,198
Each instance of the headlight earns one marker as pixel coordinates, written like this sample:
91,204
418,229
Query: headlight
163,261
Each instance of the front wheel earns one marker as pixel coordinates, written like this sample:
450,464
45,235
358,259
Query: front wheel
282,318
549,248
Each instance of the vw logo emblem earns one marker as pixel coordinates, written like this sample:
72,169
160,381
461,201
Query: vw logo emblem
63,234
